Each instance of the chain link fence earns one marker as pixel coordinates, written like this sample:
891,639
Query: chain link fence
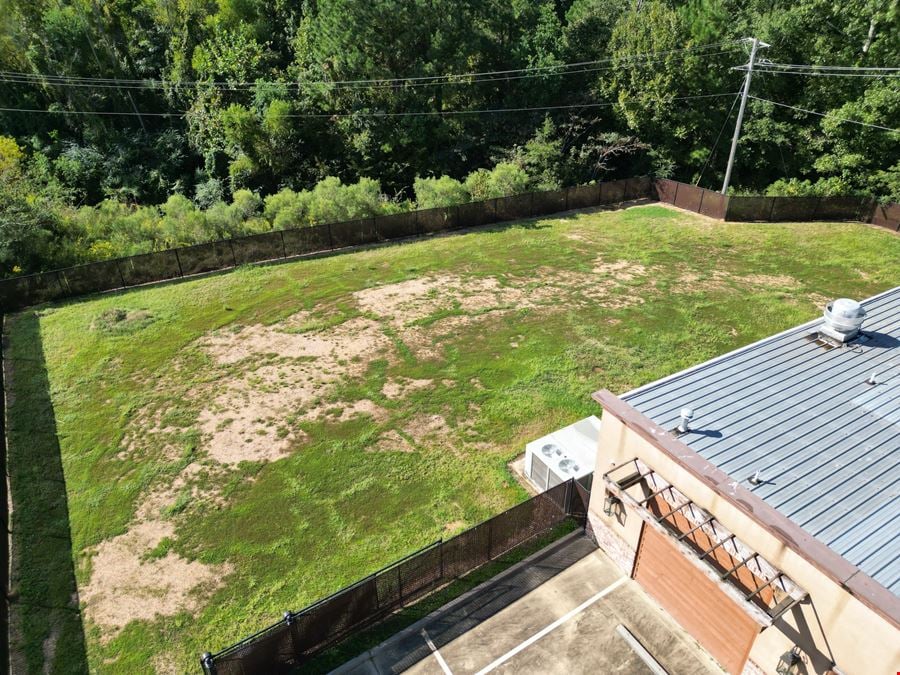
19,292
288,644
776,209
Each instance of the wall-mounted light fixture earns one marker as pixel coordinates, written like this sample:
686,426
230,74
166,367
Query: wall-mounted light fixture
611,504
789,663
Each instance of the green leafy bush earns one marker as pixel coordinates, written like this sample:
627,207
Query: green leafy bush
504,180
432,193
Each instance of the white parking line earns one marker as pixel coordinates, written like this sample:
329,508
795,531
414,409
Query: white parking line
556,624
437,654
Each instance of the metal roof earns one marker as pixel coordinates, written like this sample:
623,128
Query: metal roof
826,443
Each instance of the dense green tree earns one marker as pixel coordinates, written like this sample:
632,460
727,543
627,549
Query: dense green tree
205,100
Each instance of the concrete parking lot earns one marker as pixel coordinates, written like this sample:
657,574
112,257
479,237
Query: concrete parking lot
561,611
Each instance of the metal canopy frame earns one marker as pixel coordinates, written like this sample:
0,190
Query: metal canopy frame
753,603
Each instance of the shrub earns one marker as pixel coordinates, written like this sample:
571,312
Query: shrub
505,179
331,201
832,186
479,185
245,203
432,193
208,193
287,208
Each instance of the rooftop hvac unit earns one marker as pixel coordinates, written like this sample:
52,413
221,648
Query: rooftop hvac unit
567,453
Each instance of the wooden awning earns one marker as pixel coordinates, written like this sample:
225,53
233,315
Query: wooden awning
761,589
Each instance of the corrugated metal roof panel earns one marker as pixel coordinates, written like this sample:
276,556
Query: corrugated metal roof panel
826,443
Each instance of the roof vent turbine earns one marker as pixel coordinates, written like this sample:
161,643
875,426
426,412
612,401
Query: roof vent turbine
843,319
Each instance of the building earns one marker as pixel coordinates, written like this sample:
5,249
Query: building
755,496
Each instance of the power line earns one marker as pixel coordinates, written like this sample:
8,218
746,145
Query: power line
828,115
823,74
718,138
631,60
770,64
156,85
368,114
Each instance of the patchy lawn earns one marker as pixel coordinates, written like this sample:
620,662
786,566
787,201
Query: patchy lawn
246,443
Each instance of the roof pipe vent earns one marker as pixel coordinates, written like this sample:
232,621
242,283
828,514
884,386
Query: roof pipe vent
684,426
843,319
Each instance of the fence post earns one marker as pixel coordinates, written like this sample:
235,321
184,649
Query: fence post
700,205
772,210
330,237
569,496
399,587
490,537
675,196
441,550
207,663
233,256
283,247
178,260
119,270
288,621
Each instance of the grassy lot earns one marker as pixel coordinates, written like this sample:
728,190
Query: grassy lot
246,443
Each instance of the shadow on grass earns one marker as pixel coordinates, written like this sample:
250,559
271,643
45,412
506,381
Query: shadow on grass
46,631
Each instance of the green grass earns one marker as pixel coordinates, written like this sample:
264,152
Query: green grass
84,375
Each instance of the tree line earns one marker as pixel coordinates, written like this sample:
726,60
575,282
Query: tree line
177,122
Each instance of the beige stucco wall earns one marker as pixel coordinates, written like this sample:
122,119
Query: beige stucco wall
830,625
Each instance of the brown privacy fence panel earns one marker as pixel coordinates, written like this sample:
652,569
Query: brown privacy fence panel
749,208
800,209
774,209
887,215
713,204
19,292
288,644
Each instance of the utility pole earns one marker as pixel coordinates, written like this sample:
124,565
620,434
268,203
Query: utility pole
755,45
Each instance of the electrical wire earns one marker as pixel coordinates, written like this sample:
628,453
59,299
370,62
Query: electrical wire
366,114
718,138
757,69
631,60
828,115
802,66
156,85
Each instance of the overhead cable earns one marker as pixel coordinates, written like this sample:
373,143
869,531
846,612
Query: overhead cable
618,61
364,113
828,115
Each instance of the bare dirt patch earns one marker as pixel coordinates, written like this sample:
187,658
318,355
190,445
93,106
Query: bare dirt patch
399,387
423,428
343,411
770,280
414,308
621,270
243,422
125,587
391,441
